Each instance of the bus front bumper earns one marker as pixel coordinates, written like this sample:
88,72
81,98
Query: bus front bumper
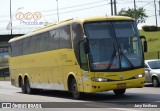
106,86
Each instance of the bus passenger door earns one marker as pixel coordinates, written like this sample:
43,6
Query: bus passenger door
84,67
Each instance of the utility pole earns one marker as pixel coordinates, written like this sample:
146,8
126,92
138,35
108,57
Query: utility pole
159,7
11,15
135,15
115,8
111,7
155,12
57,11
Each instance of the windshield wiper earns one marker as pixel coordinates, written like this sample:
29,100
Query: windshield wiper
130,63
112,58
121,54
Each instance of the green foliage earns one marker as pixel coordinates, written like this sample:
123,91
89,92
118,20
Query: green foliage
139,12
151,28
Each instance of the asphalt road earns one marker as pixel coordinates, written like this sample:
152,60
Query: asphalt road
134,99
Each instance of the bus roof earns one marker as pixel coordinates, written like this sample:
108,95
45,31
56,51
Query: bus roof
61,23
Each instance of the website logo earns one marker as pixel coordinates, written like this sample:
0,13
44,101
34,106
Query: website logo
28,16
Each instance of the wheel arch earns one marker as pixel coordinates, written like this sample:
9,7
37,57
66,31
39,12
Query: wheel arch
25,77
20,79
154,76
69,80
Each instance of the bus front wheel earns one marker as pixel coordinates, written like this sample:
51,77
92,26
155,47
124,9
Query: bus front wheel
74,89
119,92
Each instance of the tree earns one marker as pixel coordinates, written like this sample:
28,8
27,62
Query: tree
139,13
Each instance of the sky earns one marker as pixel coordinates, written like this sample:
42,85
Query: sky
66,9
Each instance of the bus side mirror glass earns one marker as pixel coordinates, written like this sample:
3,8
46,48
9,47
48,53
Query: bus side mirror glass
86,46
145,46
144,43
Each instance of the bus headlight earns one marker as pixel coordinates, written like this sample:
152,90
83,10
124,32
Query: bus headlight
99,79
139,76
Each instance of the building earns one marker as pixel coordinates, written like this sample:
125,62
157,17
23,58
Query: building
4,69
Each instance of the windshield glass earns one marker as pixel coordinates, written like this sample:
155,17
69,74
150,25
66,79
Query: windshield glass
154,64
113,45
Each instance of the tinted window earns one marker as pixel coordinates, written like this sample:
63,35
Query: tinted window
50,40
78,35
43,41
64,35
54,41
17,48
26,45
35,41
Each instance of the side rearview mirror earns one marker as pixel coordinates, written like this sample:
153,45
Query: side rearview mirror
144,43
145,46
147,69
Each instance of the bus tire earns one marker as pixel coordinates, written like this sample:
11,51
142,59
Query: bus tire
22,86
74,89
27,86
119,92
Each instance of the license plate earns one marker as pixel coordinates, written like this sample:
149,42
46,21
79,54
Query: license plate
122,85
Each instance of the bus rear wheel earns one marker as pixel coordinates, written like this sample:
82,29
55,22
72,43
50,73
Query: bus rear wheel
27,85
74,89
119,92
28,89
22,86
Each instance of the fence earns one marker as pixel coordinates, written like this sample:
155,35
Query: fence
152,55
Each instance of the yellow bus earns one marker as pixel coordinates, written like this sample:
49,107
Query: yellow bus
79,56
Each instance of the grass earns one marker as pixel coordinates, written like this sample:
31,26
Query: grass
153,39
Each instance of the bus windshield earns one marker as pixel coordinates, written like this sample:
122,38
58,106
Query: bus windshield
113,45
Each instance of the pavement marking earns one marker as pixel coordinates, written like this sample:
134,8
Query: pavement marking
124,109
96,105
120,109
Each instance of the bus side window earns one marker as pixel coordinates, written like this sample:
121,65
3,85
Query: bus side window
83,57
135,45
